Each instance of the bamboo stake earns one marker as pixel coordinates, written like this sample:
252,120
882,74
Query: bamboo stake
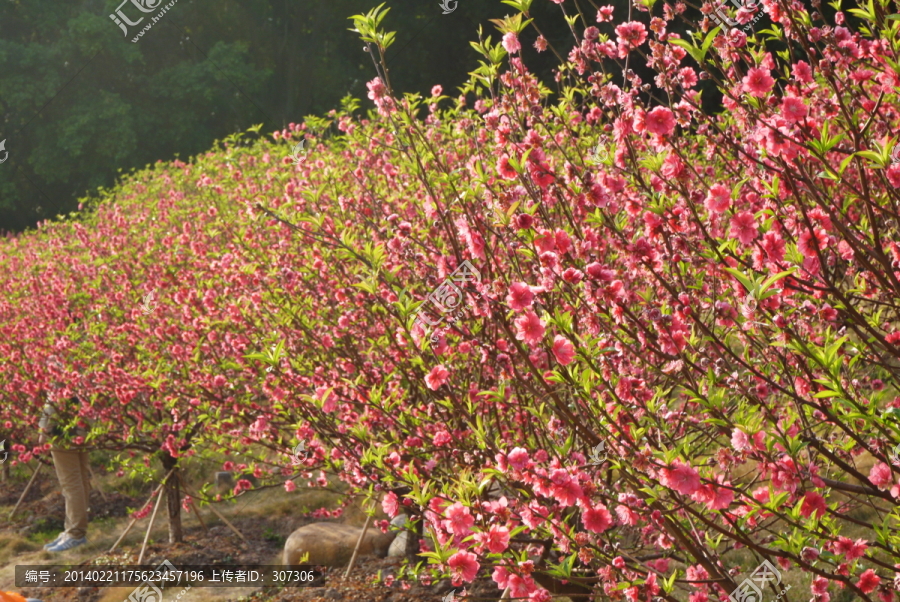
193,505
27,489
199,518
97,483
134,520
224,520
358,544
150,527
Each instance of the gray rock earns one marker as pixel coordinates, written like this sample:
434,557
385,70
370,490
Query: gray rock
332,544
398,546
224,481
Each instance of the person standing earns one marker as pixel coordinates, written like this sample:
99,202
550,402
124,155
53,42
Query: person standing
73,472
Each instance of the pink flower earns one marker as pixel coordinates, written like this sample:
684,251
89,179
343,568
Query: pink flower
813,503
743,227
496,539
540,44
605,13
463,567
793,109
541,175
881,476
715,498
377,89
289,486
688,77
328,399
819,586
868,581
520,296
850,549
390,504
893,175
529,328
631,35
459,520
505,169
441,438
681,477
563,350
518,458
565,488
511,42
802,72
437,377
660,121
437,91
597,519
719,199
758,82
810,241
740,441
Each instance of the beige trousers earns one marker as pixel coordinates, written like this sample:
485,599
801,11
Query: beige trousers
75,479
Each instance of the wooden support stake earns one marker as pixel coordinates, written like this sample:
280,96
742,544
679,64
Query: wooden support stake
358,544
197,514
97,483
150,526
224,520
27,489
134,520
193,505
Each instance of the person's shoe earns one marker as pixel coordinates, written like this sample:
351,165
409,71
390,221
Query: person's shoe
67,544
58,539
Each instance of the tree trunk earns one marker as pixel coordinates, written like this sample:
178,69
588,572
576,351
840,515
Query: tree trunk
173,501
412,538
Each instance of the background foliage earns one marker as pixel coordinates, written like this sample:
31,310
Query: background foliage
78,102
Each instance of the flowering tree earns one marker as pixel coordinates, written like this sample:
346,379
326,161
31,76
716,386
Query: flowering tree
711,296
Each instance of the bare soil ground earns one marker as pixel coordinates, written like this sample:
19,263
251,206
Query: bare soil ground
265,518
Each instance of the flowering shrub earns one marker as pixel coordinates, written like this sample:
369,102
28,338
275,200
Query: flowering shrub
715,302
